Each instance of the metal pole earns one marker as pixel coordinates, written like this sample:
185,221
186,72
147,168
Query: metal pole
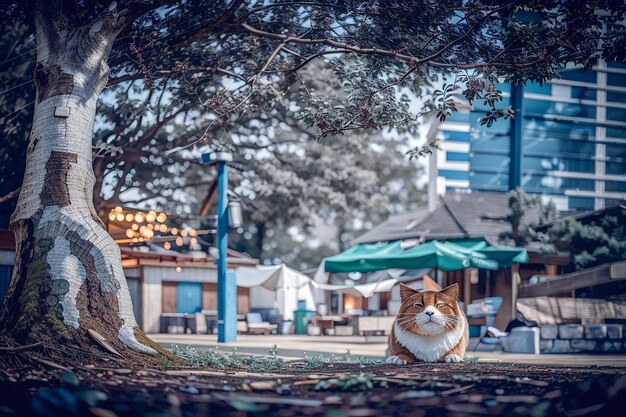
515,153
226,283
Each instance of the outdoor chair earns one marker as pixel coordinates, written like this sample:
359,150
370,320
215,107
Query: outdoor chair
492,337
256,325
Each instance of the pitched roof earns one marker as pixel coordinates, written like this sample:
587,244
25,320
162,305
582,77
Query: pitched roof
457,216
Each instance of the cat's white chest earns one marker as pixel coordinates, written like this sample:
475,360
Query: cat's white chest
429,348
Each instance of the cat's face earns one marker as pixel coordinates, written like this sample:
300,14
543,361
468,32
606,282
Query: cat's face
429,312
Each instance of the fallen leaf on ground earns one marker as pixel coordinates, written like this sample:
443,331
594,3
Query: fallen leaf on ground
103,342
459,389
530,399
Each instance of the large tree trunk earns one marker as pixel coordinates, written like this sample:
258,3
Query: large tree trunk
68,275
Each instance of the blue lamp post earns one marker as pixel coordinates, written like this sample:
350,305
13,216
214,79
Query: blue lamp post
226,283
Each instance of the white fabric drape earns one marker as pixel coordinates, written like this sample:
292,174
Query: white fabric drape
365,290
288,286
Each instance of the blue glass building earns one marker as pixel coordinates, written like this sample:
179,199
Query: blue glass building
572,132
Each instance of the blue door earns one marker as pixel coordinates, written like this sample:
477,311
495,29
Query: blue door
188,297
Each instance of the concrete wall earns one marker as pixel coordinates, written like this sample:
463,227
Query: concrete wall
589,338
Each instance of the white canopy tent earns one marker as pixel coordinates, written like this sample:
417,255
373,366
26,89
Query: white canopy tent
365,290
277,286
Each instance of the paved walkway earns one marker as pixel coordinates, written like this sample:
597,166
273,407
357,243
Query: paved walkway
373,347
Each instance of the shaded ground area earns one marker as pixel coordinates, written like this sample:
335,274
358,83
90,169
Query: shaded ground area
330,389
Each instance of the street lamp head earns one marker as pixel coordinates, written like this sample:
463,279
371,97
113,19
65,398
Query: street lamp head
235,217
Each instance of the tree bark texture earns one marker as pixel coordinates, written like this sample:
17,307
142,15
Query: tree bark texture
68,275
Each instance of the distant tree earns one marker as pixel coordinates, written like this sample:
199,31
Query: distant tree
589,244
232,57
17,96
521,204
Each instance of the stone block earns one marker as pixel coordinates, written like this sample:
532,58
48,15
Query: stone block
561,346
595,331
549,331
546,345
522,340
612,346
583,345
614,331
571,331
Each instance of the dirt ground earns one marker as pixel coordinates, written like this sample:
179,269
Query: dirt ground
332,390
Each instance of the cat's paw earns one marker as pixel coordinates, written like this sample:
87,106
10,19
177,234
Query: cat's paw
453,358
395,360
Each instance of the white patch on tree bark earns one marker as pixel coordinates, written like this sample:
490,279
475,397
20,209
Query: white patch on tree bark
66,267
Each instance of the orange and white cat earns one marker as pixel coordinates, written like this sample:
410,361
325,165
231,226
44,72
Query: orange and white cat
430,327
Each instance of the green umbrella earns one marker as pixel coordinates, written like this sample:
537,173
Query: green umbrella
431,254
505,255
374,257
471,248
360,258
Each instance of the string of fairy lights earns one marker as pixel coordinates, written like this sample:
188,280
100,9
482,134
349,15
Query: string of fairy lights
149,226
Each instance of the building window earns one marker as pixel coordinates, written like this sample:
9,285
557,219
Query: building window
581,203
536,88
616,64
618,115
616,132
457,156
615,186
616,159
585,76
616,97
583,93
618,80
455,136
489,181
453,175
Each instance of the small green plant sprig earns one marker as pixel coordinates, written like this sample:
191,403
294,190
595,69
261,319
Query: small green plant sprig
214,358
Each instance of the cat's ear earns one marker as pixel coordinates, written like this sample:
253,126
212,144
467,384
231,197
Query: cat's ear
430,284
452,291
406,291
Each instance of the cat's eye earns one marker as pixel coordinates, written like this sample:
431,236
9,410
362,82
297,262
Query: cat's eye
439,305
420,305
